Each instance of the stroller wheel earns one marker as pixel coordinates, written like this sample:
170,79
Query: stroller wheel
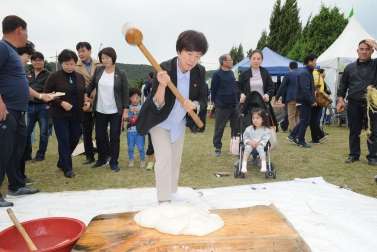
267,173
273,171
242,175
236,172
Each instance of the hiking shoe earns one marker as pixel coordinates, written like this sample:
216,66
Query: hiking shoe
114,168
312,142
150,166
89,161
142,163
322,137
69,174
351,160
29,181
217,153
303,145
4,203
292,139
372,162
38,159
131,163
21,192
99,164
178,198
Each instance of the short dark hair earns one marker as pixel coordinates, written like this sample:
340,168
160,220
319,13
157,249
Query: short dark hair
262,113
67,55
83,44
133,91
12,22
28,49
364,41
222,58
151,75
309,57
321,71
293,65
191,40
254,52
37,55
109,51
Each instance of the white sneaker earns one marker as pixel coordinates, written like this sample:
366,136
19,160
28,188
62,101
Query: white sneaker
178,198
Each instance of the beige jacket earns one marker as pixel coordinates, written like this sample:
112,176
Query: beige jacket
80,67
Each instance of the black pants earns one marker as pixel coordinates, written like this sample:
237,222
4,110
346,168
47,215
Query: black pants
358,120
316,131
150,150
222,116
87,127
13,132
102,121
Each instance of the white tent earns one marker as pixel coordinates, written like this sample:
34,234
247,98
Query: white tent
341,53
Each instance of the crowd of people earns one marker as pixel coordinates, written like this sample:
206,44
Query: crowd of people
88,93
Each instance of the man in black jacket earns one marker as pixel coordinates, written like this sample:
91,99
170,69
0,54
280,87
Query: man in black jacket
37,108
357,78
223,90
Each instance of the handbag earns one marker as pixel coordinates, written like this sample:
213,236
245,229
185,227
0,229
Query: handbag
322,99
273,139
234,147
327,89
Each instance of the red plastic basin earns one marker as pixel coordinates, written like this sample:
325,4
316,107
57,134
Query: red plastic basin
46,234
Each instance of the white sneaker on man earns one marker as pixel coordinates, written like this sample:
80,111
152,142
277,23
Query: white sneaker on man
178,198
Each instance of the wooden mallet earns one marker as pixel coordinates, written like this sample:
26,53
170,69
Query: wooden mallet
134,36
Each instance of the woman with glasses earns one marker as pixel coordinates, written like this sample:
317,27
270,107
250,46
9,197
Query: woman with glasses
110,105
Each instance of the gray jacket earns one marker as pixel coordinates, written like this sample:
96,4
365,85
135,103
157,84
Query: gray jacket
120,88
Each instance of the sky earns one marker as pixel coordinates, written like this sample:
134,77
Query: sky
57,25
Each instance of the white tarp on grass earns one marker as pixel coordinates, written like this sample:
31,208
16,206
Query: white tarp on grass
327,217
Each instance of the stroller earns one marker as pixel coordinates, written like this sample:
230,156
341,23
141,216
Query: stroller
253,100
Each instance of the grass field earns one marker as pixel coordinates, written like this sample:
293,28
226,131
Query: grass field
198,166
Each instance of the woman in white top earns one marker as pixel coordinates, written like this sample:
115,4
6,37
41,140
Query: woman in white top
110,105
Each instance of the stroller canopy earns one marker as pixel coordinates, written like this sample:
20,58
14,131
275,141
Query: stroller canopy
254,99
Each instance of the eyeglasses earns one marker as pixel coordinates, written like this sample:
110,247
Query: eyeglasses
135,98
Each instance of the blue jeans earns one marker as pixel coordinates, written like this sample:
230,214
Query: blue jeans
300,129
37,112
133,138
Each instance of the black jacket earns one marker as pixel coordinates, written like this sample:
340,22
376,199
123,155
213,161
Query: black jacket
150,116
120,88
38,83
355,79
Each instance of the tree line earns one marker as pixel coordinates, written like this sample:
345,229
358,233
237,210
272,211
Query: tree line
289,38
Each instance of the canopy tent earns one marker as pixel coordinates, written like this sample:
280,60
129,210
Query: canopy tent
341,53
276,64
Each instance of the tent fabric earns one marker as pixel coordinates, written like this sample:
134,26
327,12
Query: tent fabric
275,64
341,53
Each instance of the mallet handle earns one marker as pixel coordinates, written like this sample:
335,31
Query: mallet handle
175,91
22,231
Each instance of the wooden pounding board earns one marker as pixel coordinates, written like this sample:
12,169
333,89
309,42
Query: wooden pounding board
258,228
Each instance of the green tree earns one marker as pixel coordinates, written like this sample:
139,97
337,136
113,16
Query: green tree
274,27
237,54
290,27
249,52
262,42
137,83
319,33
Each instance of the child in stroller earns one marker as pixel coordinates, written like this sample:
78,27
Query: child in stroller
253,100
256,137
